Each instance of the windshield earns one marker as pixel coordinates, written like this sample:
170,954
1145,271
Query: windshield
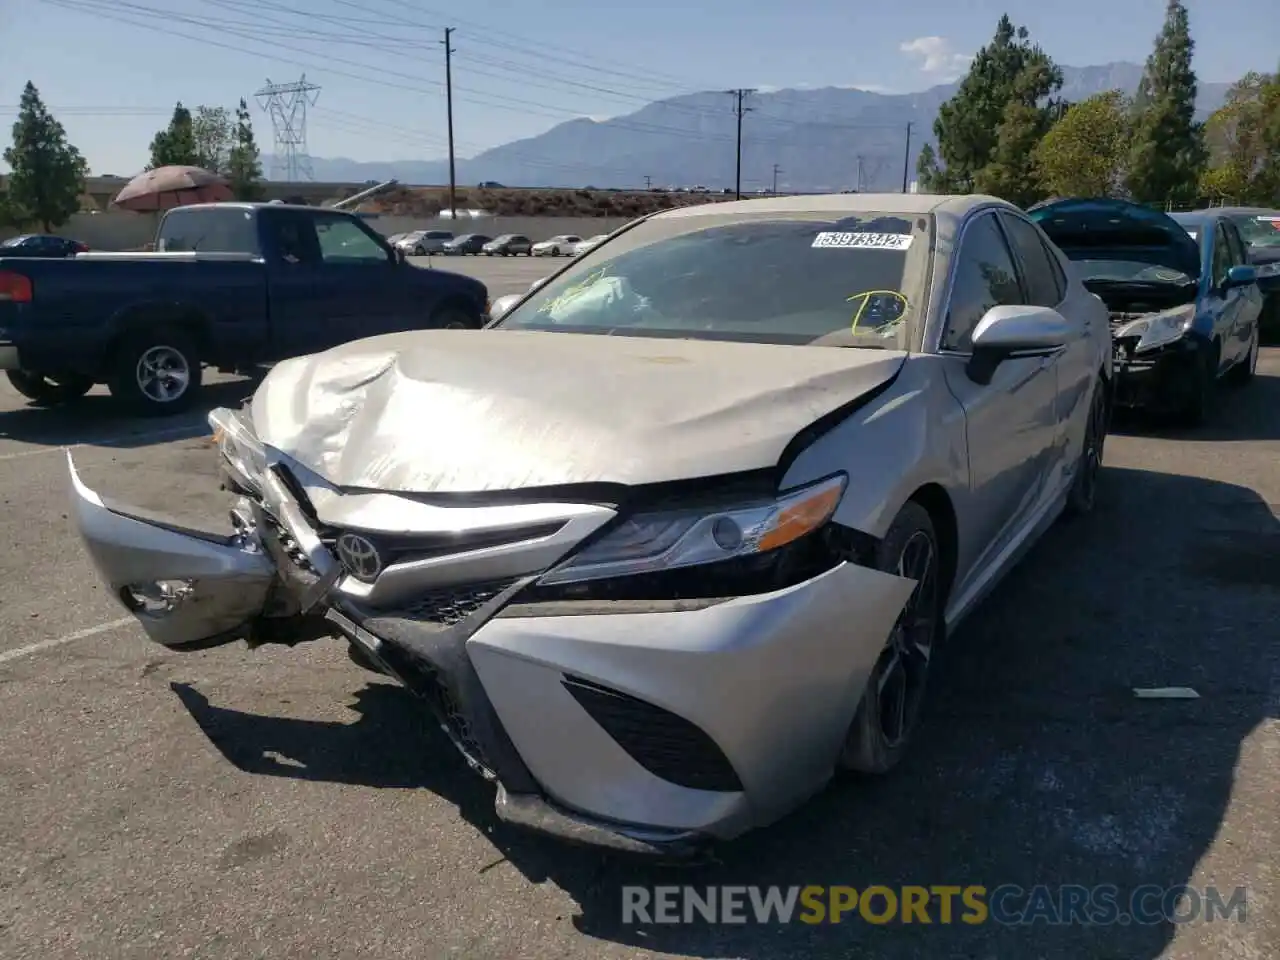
1259,230
15,242
1192,224
794,278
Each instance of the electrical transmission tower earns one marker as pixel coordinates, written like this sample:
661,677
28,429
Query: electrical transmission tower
286,104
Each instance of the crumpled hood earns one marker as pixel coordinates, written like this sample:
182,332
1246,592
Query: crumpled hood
458,411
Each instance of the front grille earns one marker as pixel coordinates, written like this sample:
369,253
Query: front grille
668,746
449,606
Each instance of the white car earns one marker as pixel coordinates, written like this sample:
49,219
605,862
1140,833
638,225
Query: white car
562,245
583,246
424,243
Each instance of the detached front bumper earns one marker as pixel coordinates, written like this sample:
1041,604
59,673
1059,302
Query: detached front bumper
645,728
1161,381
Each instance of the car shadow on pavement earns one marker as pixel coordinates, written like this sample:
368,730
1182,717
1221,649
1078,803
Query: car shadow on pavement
1242,414
1036,764
98,420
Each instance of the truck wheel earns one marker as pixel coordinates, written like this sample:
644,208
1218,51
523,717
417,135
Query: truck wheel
156,372
49,391
452,317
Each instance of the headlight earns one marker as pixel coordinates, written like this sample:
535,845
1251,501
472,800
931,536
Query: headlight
1159,330
663,541
238,446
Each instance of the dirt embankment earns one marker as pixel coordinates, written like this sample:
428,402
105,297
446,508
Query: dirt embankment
429,201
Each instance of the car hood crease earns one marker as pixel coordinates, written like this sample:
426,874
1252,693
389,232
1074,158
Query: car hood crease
451,411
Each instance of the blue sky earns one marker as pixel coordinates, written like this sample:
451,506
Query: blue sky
522,67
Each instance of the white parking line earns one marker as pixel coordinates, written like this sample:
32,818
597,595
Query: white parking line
173,433
69,638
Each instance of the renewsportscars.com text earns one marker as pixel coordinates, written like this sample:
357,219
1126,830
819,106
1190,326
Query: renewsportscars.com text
1008,905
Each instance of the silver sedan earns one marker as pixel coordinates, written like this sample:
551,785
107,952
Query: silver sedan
675,539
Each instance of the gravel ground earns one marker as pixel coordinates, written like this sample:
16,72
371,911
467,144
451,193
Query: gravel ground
284,804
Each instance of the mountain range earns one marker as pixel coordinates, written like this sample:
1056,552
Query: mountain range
827,139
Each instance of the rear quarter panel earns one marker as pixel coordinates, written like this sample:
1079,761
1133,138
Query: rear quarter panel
81,306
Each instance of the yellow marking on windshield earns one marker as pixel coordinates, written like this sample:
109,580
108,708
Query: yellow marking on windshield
574,291
865,297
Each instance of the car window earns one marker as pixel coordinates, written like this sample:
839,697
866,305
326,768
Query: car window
15,242
984,278
342,240
439,235
519,239
797,278
1043,286
210,230
1239,256
1221,255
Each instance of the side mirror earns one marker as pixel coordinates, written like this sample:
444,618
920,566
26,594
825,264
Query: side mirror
1015,330
1241,276
503,305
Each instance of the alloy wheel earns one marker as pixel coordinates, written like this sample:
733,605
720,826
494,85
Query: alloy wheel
904,664
163,374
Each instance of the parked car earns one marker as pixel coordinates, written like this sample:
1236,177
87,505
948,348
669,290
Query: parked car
557,246
1260,230
584,246
469,244
1184,309
424,243
41,245
508,245
674,617
232,285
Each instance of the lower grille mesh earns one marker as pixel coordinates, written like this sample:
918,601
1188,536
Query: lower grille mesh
450,606
668,746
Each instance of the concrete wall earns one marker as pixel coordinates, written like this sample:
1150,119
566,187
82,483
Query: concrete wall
120,230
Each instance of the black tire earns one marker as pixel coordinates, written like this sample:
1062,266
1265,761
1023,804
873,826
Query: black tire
451,316
1204,390
1083,495
880,733
169,354
49,391
1243,371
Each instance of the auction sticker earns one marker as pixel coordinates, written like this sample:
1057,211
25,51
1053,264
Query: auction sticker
863,241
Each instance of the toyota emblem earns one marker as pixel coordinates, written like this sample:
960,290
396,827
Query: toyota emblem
359,556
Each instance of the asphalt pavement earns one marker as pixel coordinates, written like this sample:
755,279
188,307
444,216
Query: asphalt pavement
278,803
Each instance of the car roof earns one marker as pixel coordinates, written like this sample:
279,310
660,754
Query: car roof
949,210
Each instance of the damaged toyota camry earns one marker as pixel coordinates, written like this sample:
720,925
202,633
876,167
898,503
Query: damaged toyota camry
673,540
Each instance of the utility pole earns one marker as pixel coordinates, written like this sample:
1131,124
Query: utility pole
648,182
861,160
448,99
739,96
906,159
776,170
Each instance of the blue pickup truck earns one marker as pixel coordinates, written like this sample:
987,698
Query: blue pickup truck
230,286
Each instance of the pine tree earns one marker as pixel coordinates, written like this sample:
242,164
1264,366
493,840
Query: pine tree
244,163
176,144
1008,74
1167,155
47,178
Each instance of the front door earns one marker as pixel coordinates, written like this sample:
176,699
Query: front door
1011,423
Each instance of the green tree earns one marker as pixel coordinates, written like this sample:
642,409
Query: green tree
1008,70
213,132
1083,154
244,163
47,178
176,143
1166,152
1241,138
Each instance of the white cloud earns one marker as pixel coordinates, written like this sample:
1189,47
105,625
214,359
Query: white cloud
936,57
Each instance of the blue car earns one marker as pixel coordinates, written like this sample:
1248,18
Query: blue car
1184,301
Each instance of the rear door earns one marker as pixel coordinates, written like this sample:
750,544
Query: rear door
1011,423
1248,307
1225,306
